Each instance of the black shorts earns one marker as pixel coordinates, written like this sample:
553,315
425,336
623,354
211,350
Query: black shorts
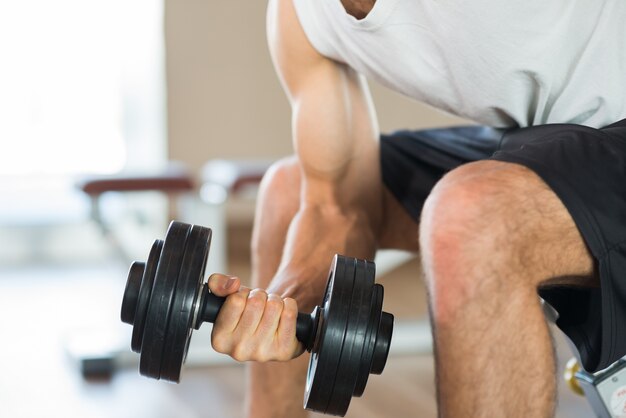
585,167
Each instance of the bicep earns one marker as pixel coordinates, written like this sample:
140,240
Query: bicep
334,129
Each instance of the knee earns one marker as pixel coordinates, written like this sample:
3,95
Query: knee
283,177
466,226
279,192
471,208
277,203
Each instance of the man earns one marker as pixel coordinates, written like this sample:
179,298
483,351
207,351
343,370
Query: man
545,213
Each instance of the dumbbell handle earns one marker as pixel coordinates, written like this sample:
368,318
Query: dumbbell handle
210,306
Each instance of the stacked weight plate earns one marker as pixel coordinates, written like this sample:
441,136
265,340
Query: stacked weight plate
167,299
353,337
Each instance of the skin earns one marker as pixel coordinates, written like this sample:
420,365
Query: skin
358,8
278,202
491,233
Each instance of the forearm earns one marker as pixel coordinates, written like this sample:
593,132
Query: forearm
336,141
323,231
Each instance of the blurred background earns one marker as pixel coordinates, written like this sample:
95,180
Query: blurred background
116,117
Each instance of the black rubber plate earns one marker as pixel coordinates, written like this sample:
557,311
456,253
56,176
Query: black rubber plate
145,293
182,308
327,350
369,343
166,277
354,340
131,292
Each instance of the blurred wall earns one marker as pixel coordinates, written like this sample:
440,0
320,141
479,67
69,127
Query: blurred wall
224,99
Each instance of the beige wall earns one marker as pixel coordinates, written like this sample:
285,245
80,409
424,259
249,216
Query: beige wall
224,99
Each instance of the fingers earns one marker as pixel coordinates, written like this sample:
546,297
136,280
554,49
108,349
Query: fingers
252,313
271,314
223,285
288,346
253,325
232,311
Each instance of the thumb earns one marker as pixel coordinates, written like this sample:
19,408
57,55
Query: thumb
223,285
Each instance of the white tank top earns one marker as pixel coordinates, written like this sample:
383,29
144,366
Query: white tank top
500,63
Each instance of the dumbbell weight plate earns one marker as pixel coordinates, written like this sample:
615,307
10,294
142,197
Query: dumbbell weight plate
167,272
143,299
333,314
335,357
184,304
370,338
354,340
131,292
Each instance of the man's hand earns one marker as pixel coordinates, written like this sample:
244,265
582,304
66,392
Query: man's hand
252,325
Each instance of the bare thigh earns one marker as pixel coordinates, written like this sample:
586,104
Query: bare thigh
504,211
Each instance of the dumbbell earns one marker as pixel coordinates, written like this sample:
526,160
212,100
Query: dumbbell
348,334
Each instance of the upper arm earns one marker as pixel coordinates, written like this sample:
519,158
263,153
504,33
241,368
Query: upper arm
294,57
334,127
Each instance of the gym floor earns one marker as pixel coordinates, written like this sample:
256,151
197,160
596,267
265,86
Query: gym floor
42,306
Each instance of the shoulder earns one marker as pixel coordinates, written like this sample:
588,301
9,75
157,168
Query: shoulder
292,52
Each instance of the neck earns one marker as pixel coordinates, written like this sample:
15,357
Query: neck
358,8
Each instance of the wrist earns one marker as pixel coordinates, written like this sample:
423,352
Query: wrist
316,234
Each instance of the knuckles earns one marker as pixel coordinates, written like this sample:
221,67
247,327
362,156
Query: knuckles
244,352
237,301
240,352
256,300
220,343
283,354
289,313
274,305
